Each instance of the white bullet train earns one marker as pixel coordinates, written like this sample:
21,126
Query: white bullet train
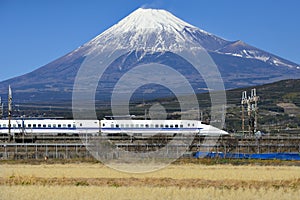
153,127
107,127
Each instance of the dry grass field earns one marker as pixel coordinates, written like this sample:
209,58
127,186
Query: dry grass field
181,181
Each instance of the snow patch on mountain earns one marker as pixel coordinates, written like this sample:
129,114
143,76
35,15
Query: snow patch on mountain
241,49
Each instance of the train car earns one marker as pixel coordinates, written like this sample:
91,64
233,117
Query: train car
152,127
38,127
88,127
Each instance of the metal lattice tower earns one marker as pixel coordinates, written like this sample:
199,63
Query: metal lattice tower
252,110
254,100
243,102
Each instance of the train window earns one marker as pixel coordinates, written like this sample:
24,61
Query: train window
161,126
188,124
147,125
49,125
171,126
193,125
64,125
117,125
59,125
0,125
54,125
176,125
74,125
4,125
136,125
34,125
166,126
151,125
29,125
122,125
19,125
103,125
142,125
80,124
181,126
14,125
39,125
44,125
69,126
112,126
127,125
156,126
131,125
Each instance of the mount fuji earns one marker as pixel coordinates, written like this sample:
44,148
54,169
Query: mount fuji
152,35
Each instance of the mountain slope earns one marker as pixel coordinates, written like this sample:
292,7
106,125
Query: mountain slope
243,50
152,35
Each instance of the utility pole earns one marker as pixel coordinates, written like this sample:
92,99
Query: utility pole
201,116
9,109
1,108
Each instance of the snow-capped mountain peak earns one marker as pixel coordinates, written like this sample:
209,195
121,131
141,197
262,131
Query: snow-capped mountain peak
143,19
154,30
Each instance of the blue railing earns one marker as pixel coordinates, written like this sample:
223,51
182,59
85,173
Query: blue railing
262,156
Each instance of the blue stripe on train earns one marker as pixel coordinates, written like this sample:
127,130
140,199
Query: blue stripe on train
96,128
33,128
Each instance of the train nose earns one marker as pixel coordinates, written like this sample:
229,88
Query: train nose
213,131
224,132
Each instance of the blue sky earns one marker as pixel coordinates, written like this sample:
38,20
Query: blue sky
35,32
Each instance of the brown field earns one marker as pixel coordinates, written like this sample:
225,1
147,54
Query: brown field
180,181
